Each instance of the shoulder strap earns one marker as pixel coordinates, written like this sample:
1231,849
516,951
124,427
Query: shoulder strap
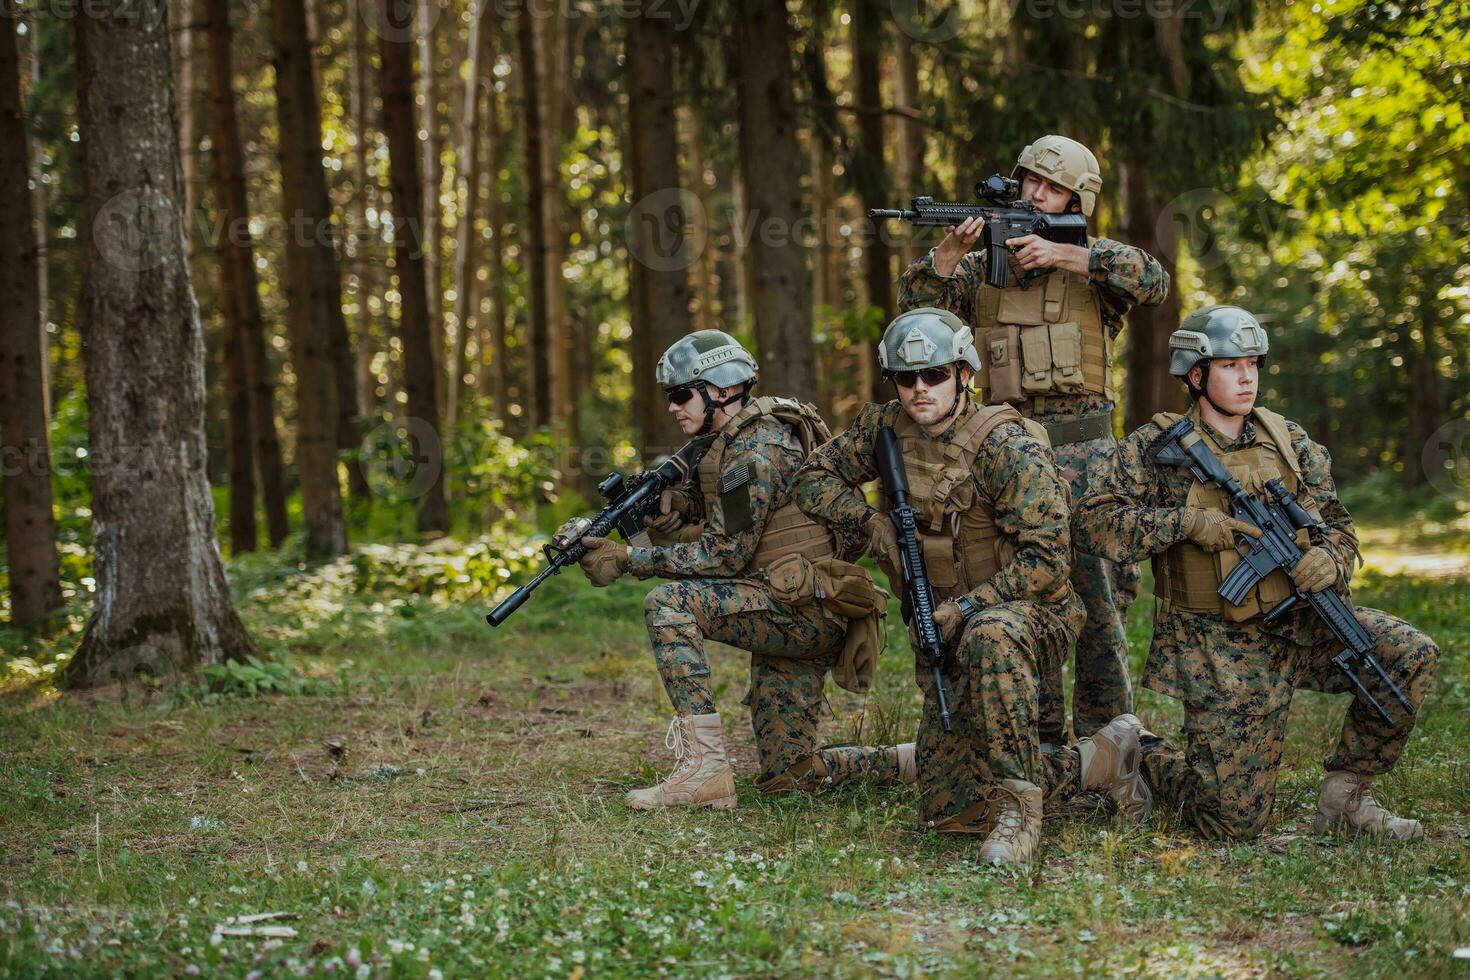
977,427
1275,428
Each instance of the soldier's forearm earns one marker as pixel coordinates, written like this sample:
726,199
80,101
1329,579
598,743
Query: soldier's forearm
1109,527
1130,274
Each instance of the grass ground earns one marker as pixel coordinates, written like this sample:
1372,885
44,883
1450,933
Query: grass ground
431,796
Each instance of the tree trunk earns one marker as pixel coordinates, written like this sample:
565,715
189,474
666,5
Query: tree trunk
538,355
658,247
826,274
552,36
909,171
30,528
1151,388
869,172
366,262
395,83
240,288
43,269
186,60
239,304
772,163
433,177
467,301
498,376
702,272
1427,405
313,285
162,602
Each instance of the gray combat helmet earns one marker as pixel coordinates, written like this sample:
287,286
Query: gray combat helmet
711,356
1213,332
926,337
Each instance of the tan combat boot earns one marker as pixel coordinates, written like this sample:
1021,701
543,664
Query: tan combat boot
1347,804
908,770
701,776
1110,765
1017,833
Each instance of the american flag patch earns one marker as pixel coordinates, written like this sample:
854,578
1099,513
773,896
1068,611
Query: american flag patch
738,476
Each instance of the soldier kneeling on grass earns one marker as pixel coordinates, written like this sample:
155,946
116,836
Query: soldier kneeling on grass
993,530
761,577
1234,671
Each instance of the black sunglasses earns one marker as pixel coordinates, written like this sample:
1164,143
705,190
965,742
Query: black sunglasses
932,376
680,395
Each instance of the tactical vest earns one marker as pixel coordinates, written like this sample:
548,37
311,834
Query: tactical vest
961,543
1186,576
1046,339
788,531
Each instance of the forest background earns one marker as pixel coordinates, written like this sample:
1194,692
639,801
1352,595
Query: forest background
316,316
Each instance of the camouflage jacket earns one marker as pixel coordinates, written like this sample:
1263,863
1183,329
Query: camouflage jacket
1013,472
1125,277
1132,511
773,454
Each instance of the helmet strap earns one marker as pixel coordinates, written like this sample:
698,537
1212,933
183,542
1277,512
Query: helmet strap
713,405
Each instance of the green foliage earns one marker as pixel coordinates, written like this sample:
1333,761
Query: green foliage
255,676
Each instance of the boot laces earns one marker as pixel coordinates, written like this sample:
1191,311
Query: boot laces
1010,821
676,740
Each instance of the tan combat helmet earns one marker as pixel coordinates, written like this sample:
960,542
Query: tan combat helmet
1066,163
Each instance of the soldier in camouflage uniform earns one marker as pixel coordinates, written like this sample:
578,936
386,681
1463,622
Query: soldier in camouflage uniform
994,533
720,589
1048,349
1234,672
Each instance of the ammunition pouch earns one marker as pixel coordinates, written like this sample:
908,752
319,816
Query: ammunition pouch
843,589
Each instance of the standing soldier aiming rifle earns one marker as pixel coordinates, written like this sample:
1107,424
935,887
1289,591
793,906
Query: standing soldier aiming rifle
1235,665
751,580
1048,348
991,519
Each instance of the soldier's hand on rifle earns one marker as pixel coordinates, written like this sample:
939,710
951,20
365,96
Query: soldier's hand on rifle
1214,530
672,505
882,540
948,619
1035,252
1315,572
605,561
961,238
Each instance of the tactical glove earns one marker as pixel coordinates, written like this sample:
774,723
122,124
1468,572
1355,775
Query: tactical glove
883,540
1316,571
1214,530
948,619
605,561
672,506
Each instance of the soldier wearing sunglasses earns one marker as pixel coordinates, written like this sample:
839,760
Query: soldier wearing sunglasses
747,581
993,525
1048,351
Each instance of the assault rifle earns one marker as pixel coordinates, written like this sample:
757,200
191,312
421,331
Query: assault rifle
918,593
1279,518
628,501
1006,217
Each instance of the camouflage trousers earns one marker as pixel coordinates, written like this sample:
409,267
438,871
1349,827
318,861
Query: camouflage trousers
791,647
992,681
1101,689
1224,782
